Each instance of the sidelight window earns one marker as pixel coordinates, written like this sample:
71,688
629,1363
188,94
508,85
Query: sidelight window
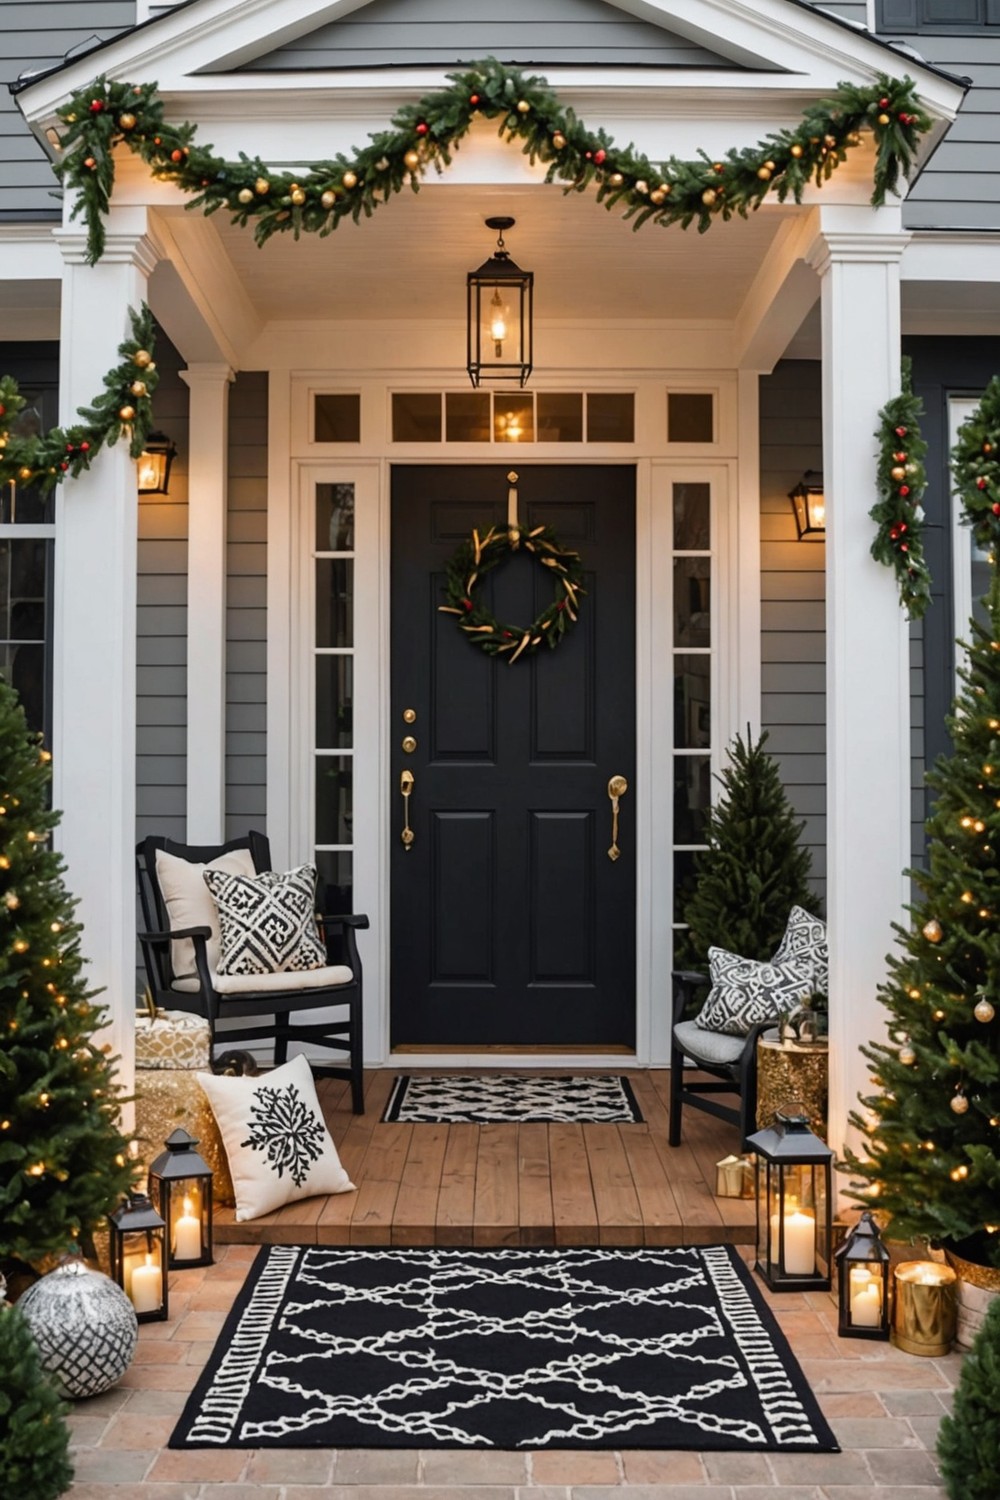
333,666
693,654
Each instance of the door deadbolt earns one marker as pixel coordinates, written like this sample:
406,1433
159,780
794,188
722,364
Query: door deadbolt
409,715
409,744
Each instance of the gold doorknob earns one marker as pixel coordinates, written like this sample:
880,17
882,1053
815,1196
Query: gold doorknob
617,787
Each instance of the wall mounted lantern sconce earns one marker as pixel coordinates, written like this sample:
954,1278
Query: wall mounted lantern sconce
154,464
499,316
809,505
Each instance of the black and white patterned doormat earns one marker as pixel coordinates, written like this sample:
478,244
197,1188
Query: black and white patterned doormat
343,1347
516,1098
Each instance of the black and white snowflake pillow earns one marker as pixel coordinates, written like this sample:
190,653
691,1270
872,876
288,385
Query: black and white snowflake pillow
804,943
744,992
276,1139
267,922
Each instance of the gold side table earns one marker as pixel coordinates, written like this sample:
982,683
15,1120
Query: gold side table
790,1073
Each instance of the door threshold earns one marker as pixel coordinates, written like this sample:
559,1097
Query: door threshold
426,1056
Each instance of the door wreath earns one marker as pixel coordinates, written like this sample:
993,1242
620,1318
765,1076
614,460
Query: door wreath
473,559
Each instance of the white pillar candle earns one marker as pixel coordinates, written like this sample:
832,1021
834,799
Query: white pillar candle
187,1235
866,1301
146,1290
799,1244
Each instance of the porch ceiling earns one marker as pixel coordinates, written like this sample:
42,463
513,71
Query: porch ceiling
410,260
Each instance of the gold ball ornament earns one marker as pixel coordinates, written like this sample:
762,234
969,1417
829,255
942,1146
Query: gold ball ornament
412,160
797,151
616,179
933,931
350,179
126,121
329,198
12,901
883,119
138,388
559,141
642,188
245,195
829,140
907,1055
984,1011
709,197
298,197
382,165
959,1103
142,358
24,473
126,413
262,187
523,107
898,472
659,195
764,173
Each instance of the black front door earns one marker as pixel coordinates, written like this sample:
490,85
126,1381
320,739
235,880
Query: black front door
511,926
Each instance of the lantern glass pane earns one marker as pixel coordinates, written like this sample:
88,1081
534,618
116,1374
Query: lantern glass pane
793,1220
142,1269
864,1293
501,325
186,1217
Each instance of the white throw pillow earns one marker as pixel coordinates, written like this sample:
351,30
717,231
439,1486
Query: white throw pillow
744,992
190,903
268,921
804,943
276,1139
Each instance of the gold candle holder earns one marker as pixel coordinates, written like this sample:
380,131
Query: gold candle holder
924,1312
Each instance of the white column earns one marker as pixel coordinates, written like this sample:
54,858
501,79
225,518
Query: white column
857,256
206,617
94,629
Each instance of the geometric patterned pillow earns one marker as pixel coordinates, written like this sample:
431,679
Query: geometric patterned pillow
267,921
804,943
744,992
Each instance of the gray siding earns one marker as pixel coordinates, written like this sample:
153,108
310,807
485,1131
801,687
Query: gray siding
246,608
793,605
536,32
35,37
793,595
161,644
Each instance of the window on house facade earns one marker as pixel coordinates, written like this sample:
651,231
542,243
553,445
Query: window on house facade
333,652
692,652
941,16
513,417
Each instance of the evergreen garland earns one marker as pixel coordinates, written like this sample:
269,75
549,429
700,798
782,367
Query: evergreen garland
34,1438
969,1439
123,409
898,513
976,467
63,1159
471,562
754,869
423,135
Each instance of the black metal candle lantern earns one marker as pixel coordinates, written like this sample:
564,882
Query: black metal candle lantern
180,1184
499,317
794,1210
138,1252
863,1283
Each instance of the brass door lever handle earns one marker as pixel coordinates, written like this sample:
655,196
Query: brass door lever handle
406,788
617,787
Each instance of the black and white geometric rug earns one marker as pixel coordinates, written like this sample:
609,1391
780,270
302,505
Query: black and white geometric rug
518,1098
341,1347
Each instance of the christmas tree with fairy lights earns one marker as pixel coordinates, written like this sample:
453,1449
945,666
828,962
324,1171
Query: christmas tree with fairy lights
63,1159
931,1159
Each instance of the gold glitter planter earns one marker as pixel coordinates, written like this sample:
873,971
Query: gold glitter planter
790,1074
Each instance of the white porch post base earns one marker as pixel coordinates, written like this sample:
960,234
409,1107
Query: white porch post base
857,255
94,631
206,616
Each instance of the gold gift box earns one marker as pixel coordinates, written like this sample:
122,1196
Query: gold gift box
734,1177
172,1039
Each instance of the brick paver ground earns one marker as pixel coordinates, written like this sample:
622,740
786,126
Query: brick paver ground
883,1405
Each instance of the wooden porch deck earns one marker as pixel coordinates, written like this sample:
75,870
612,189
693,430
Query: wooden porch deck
513,1184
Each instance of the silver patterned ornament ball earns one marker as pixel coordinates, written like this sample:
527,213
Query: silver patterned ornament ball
84,1326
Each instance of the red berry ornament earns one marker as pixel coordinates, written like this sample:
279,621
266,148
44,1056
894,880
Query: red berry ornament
883,104
422,128
600,157
996,507
96,106
84,447
980,483
64,466
467,605
473,100
904,490
900,432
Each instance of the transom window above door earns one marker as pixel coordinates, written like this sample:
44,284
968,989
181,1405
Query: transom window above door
522,417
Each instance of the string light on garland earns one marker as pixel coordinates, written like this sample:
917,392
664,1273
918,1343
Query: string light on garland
898,513
426,132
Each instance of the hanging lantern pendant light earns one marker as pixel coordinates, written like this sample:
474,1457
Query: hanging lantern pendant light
499,332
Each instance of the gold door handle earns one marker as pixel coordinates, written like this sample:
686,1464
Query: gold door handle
406,787
617,787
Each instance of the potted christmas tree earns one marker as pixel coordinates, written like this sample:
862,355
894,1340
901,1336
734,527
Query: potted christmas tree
932,1124
969,1440
34,1438
63,1158
754,869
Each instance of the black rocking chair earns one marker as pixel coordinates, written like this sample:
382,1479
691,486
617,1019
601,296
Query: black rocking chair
270,1007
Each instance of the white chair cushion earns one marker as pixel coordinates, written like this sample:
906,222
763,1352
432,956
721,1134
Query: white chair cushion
268,921
276,1139
190,903
707,1046
263,984
744,992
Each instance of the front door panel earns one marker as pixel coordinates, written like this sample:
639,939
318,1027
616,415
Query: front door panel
510,924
